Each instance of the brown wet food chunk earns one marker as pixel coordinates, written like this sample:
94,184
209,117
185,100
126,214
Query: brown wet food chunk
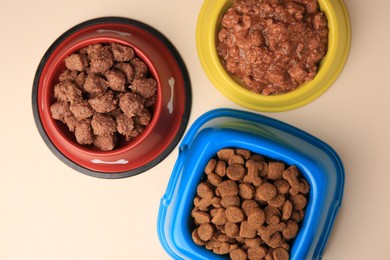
59,110
140,68
122,52
81,109
103,124
100,57
67,91
144,117
126,69
116,80
125,126
94,84
131,104
83,132
104,102
145,87
76,61
105,142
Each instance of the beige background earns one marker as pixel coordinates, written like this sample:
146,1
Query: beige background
49,211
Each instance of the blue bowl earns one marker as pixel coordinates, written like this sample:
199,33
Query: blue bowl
222,128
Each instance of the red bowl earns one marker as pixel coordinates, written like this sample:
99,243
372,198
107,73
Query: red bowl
170,112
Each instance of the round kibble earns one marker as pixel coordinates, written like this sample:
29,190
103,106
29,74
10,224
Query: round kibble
256,218
235,171
234,214
280,254
206,231
238,254
257,253
266,191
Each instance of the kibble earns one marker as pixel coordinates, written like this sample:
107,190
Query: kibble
248,206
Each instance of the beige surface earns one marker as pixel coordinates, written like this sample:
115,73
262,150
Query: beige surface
49,211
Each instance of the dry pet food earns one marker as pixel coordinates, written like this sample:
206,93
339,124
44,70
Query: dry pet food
105,91
248,206
273,46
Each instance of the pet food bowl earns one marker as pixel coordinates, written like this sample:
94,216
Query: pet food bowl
226,128
170,111
330,67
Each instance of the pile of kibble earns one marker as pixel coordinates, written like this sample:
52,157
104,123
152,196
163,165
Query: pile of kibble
248,206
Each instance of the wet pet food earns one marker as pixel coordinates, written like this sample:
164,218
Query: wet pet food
273,46
104,92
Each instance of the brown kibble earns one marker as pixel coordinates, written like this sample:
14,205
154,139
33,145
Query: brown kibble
201,217
203,190
218,216
230,201
280,254
275,170
235,171
220,169
295,216
271,234
291,175
277,201
246,191
196,238
232,229
236,159
246,230
253,242
205,231
238,254
252,173
246,154
287,210
291,230
224,248
225,154
202,204
272,215
256,218
213,243
227,188
234,214
216,202
210,166
282,186
266,191
305,186
214,179
276,240
299,202
257,253
248,206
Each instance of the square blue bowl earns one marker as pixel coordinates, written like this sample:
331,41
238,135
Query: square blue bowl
223,128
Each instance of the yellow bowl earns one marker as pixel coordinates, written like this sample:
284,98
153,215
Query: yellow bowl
330,67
